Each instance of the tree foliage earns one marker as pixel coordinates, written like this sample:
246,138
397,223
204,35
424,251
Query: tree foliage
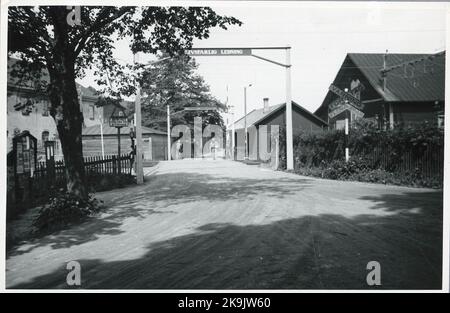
52,53
39,35
174,82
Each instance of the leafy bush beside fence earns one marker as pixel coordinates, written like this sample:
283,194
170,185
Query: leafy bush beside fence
412,156
101,174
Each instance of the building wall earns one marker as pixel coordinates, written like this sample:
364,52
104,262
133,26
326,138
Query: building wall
38,120
91,114
301,122
343,79
157,150
413,113
404,112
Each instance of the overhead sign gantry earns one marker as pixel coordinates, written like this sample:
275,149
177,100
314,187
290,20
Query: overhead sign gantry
248,51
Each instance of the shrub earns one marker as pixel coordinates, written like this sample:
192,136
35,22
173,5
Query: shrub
65,208
377,155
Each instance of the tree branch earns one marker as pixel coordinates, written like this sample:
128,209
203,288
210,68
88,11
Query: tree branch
101,21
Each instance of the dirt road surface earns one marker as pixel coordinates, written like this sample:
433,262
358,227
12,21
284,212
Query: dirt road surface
222,224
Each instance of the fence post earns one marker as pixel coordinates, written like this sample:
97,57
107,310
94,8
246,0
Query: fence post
114,164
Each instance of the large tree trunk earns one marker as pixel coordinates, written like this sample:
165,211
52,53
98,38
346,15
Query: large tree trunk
68,118
69,130
65,108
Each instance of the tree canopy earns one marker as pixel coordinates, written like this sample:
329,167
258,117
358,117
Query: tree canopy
54,52
174,81
40,35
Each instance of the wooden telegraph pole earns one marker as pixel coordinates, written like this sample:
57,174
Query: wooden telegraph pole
289,132
168,133
138,122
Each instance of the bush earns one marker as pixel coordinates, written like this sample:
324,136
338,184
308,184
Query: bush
356,170
377,155
65,208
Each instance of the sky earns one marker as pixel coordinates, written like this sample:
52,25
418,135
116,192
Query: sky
320,35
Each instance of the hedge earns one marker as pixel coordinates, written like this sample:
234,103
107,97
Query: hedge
411,156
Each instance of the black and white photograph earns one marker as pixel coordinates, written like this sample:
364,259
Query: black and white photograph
263,146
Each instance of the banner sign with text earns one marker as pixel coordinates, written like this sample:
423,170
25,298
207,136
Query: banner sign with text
218,52
200,109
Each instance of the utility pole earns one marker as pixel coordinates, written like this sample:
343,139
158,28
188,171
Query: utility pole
384,70
168,133
138,121
118,151
384,75
289,132
245,121
347,153
101,139
233,144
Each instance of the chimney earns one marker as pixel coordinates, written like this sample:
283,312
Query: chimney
266,105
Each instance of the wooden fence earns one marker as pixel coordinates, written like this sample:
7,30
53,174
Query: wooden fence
428,160
92,165
25,191
424,160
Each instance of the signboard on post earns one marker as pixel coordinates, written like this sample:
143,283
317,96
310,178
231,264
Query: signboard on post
118,120
347,97
218,52
345,107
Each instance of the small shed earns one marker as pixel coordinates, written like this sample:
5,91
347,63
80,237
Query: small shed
302,121
154,141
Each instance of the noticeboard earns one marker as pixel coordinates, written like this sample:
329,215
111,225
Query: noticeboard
19,158
24,146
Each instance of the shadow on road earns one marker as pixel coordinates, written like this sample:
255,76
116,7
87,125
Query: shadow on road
169,189
327,251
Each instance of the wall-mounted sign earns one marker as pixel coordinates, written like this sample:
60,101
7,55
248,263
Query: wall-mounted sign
217,52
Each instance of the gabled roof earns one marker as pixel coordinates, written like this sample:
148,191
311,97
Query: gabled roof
108,130
425,81
13,82
256,116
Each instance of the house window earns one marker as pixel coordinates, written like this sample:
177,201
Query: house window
91,112
45,108
45,136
